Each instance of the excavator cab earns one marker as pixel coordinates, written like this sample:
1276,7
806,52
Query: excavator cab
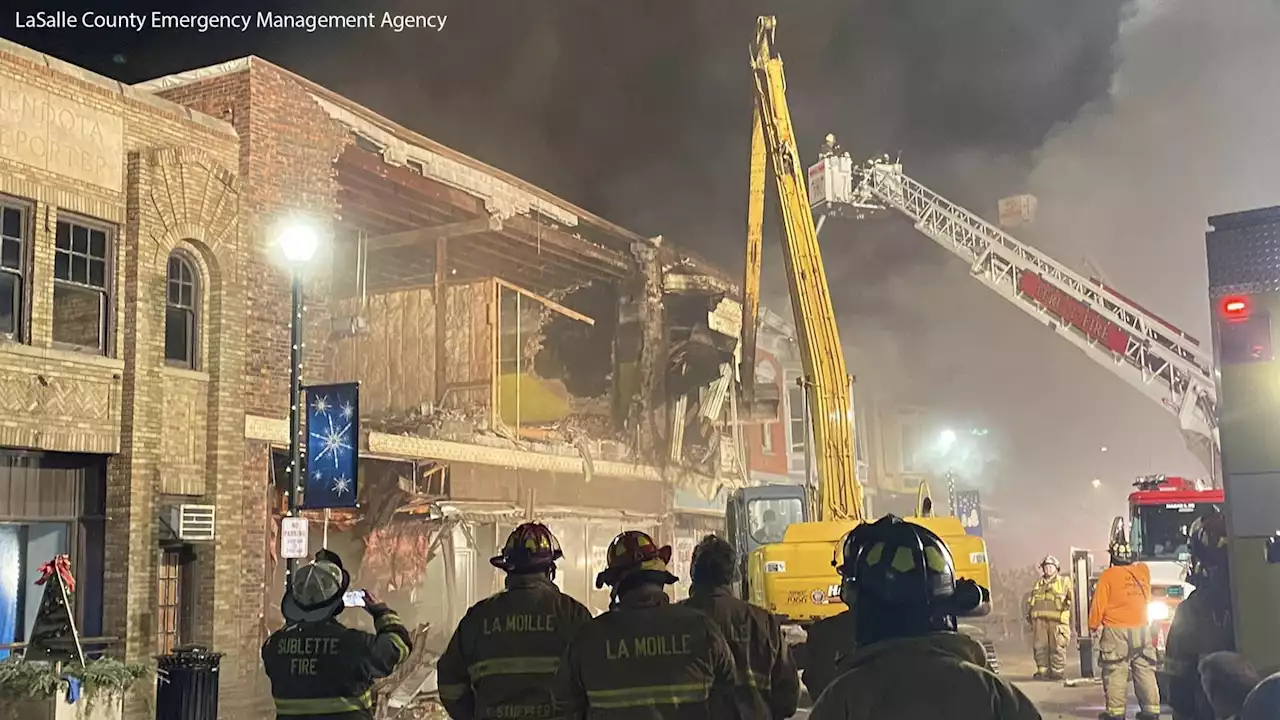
758,516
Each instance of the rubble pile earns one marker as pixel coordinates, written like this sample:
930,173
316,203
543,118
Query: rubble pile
429,420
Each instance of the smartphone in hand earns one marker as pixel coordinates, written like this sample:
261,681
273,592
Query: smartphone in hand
353,598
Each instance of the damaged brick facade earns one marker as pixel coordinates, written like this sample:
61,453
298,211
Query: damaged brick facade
473,400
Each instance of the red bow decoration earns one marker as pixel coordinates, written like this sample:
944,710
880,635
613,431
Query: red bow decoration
61,565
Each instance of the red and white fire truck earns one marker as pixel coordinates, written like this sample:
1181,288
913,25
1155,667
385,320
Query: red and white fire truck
1161,511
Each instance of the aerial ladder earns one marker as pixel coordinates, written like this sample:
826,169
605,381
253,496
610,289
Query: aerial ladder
788,566
1159,360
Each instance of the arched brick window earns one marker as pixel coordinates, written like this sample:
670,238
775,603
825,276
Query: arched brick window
182,304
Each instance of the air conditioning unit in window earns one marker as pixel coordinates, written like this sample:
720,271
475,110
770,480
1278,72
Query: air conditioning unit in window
193,523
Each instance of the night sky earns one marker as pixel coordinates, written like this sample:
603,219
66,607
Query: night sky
640,112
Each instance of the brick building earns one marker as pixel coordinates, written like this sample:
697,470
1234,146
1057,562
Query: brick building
122,297
518,356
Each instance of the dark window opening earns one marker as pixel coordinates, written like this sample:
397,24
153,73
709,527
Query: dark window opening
180,312
367,144
796,413
910,446
14,255
81,297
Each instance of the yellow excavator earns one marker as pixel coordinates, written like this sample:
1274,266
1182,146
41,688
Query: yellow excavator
789,535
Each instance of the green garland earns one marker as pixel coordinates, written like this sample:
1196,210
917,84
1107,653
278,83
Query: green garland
103,679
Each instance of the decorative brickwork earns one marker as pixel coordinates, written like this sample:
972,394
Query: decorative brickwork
179,172
285,162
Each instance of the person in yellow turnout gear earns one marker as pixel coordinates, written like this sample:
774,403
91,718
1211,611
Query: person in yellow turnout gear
506,650
1126,647
1049,612
910,663
645,659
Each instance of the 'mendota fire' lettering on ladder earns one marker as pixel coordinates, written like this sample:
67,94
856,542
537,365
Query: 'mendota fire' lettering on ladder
1073,312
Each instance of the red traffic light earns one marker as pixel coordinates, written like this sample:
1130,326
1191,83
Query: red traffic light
1235,308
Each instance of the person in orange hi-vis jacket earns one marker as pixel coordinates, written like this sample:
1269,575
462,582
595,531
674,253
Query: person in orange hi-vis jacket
1125,643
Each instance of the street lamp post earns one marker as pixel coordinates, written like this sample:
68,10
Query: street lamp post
298,242
947,439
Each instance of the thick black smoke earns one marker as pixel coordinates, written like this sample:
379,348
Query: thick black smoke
1131,121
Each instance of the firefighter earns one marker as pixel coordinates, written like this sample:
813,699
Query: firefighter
830,643
504,653
645,657
1202,622
768,683
831,640
319,668
1049,612
910,661
1125,644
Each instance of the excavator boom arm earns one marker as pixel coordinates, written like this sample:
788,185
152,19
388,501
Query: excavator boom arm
827,378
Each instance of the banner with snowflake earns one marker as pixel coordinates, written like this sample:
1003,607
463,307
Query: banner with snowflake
969,510
333,446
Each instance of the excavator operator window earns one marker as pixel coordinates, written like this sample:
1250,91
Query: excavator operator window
770,517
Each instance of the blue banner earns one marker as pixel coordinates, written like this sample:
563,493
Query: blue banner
333,446
969,510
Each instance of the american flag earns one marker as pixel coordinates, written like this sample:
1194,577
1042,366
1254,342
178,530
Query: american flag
333,452
969,510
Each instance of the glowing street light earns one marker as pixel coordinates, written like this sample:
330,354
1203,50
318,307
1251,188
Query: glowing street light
1096,483
947,438
298,241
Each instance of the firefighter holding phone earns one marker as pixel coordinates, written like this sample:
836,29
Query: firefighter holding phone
320,668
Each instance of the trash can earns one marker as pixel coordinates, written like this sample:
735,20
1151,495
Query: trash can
187,684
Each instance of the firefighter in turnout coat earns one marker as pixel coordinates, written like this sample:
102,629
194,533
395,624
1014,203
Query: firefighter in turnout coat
910,663
319,668
831,642
502,657
768,683
645,657
1201,623
1049,612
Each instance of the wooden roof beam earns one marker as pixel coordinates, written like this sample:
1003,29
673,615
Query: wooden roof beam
445,231
361,162
376,197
